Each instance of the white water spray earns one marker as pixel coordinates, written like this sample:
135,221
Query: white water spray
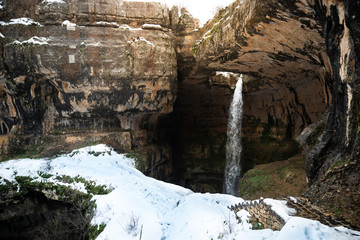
233,144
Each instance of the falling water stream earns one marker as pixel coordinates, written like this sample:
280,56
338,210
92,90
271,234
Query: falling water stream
233,144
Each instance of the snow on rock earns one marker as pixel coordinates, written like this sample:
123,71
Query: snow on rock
53,1
68,23
1,35
125,26
280,208
293,199
227,74
110,24
22,21
141,39
34,40
151,26
161,210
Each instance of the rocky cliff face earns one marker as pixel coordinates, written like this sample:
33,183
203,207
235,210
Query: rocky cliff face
143,78
333,144
285,87
301,57
280,45
85,66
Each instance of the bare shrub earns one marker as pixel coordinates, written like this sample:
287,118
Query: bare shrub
132,226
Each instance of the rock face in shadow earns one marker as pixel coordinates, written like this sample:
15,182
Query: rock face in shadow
280,50
333,143
280,45
302,58
33,214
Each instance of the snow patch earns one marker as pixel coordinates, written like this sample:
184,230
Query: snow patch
34,40
125,26
21,21
280,208
1,35
293,199
227,74
94,44
163,210
110,24
151,26
53,1
69,25
141,39
304,229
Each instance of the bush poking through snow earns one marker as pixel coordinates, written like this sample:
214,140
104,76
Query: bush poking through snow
229,225
132,225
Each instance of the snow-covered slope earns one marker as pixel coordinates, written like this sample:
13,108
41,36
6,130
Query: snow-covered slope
143,208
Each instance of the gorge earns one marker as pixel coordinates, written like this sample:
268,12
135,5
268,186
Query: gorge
141,77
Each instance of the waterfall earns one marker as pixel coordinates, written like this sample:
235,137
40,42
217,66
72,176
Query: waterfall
233,144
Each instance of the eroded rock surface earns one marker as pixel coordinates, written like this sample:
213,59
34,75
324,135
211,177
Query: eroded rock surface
280,45
333,157
301,57
83,66
280,50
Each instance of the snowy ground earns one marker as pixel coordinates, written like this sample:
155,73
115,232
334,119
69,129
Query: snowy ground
162,211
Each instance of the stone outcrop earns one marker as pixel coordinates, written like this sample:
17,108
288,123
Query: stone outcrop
85,67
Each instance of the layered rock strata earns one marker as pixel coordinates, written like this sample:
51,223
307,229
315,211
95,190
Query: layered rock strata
85,67
282,49
285,87
303,58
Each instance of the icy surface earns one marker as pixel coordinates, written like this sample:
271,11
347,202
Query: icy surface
164,211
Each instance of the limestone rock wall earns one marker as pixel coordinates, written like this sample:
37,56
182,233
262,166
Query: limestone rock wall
82,66
333,156
283,54
280,50
303,59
